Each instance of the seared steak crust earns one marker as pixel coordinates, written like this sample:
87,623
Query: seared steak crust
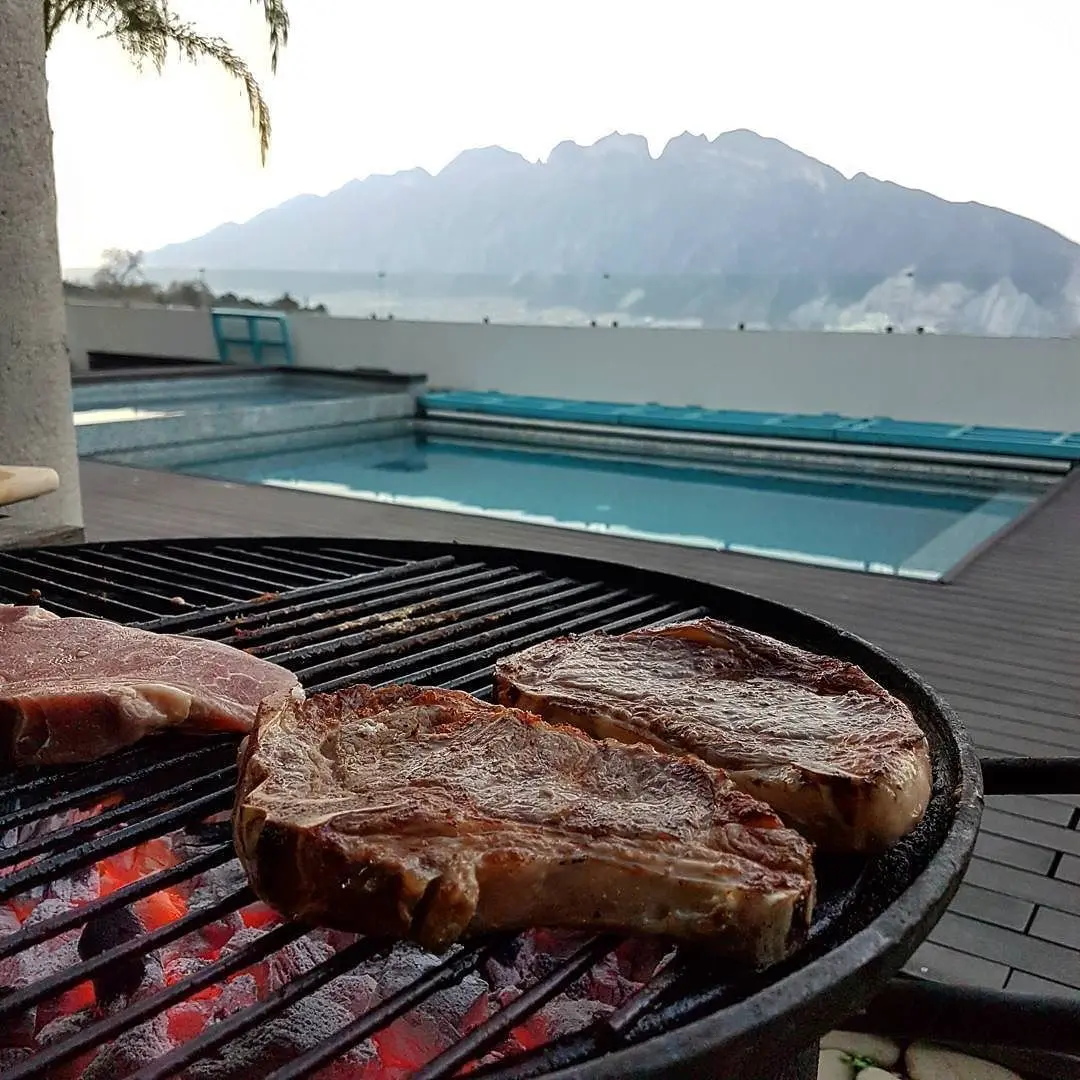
816,738
423,813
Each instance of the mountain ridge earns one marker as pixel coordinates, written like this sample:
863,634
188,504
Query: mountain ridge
789,240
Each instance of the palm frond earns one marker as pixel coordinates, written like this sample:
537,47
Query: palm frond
56,13
149,31
276,17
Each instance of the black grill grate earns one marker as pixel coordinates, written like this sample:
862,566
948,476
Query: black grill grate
334,615
139,582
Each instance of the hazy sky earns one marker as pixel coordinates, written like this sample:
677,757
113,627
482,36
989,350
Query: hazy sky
969,100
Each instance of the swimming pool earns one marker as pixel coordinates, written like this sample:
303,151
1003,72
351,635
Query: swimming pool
911,525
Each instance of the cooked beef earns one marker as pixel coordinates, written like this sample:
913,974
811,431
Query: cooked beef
427,814
73,690
824,745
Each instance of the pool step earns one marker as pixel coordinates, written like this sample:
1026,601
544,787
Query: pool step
186,454
149,424
211,388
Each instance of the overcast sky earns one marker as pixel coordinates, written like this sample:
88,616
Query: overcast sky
970,100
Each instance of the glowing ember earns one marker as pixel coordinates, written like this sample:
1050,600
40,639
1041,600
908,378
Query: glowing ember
396,1051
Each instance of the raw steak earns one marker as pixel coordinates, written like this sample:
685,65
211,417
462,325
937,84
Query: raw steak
824,745
73,690
420,813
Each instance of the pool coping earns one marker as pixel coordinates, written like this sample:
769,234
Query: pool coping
1055,491
151,368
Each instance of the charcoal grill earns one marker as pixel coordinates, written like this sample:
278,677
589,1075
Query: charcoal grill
379,611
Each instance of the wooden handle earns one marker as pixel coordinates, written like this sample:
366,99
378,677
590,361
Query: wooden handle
18,482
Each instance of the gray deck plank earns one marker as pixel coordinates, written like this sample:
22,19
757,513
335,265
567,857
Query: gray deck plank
1022,951
1067,800
1024,885
1068,869
1032,806
1034,832
994,744
1023,983
1008,852
1000,642
990,725
1056,926
1035,712
933,961
996,908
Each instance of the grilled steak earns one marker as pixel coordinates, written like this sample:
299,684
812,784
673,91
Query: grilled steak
824,745
73,690
421,813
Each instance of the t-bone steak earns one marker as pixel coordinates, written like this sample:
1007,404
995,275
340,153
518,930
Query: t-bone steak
74,689
427,814
816,738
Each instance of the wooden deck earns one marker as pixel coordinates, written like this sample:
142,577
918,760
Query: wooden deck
1001,641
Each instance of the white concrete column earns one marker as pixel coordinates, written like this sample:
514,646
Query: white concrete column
35,380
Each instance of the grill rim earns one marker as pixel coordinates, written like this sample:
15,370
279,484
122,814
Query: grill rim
827,989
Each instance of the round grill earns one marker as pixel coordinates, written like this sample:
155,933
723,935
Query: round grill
439,615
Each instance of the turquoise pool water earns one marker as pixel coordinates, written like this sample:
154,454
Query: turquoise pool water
911,527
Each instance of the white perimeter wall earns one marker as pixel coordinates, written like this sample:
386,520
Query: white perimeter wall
1018,382
173,333
1021,382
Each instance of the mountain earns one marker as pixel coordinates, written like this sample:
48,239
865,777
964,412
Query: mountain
740,228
